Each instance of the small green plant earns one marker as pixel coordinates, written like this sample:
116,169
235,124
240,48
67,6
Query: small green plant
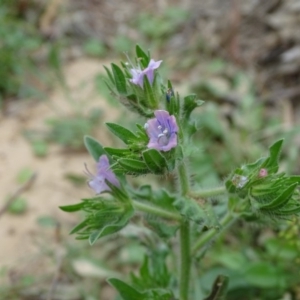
183,219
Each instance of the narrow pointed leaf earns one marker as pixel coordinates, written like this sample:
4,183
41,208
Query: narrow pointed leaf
142,56
289,212
293,179
110,75
126,291
120,79
79,226
93,147
122,133
271,163
154,160
133,165
117,152
106,230
142,133
281,200
72,208
119,193
149,94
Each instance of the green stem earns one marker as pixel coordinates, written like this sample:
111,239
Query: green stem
227,219
185,263
185,244
207,193
155,210
183,179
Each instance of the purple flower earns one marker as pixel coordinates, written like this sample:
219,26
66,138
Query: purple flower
97,182
162,131
138,74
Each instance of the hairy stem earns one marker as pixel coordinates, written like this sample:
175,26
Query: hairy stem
155,210
205,238
185,246
208,193
185,263
183,179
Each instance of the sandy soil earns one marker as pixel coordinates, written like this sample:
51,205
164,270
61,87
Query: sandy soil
22,237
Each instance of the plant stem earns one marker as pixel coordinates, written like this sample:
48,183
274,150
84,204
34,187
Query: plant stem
207,193
185,246
226,220
185,264
155,210
183,179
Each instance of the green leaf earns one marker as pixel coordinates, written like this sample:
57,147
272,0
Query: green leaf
191,210
142,133
219,288
281,200
126,291
277,248
293,179
72,208
106,230
80,226
154,276
93,147
154,160
264,275
122,133
110,75
271,163
18,206
164,199
149,94
173,105
142,56
108,218
120,79
133,165
288,212
117,152
119,193
143,193
161,228
189,104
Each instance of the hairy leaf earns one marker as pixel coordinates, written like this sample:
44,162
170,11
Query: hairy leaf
154,160
120,80
281,200
189,104
126,291
133,165
143,58
93,147
151,100
122,133
72,208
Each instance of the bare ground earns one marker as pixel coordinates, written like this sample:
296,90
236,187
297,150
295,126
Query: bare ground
23,239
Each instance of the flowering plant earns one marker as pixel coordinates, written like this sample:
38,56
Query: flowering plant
179,213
